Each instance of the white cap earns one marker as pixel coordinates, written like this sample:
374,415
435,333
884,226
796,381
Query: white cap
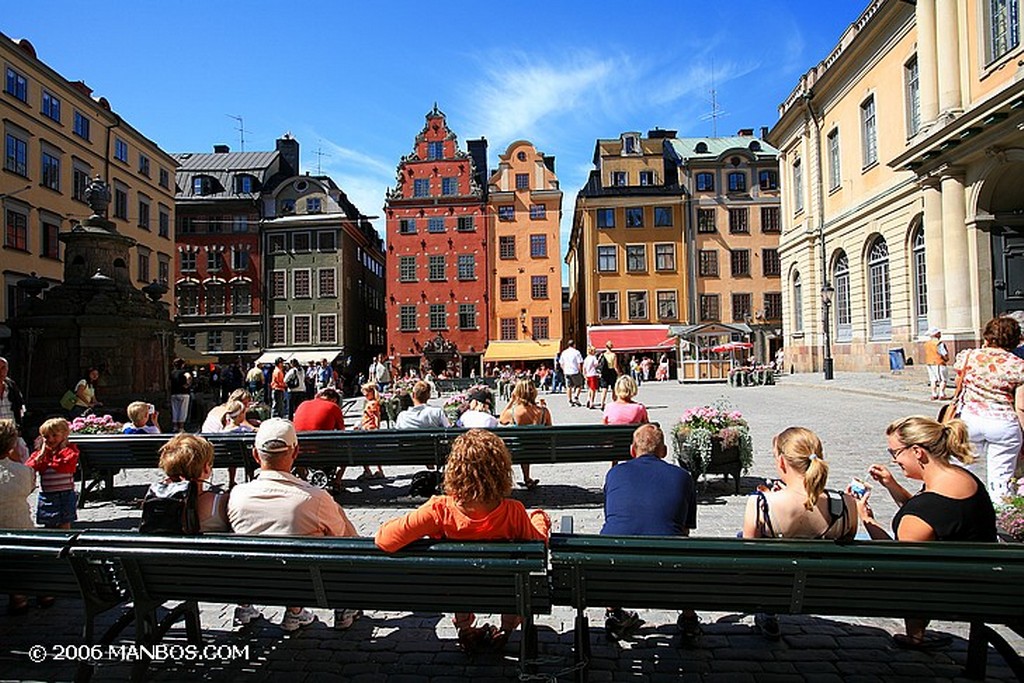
276,435
934,332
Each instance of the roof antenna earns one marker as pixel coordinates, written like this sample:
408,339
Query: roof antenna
715,112
319,155
241,130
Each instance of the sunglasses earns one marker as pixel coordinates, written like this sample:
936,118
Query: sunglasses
895,452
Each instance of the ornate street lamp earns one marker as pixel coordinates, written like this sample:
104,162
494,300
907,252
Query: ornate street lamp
827,290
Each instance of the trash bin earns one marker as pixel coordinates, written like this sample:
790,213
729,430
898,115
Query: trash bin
897,360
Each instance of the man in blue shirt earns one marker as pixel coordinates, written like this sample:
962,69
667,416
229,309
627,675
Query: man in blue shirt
646,496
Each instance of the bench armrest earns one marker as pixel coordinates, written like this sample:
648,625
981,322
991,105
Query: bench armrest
567,524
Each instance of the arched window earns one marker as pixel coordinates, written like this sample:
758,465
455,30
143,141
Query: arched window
880,311
798,304
920,280
188,299
841,282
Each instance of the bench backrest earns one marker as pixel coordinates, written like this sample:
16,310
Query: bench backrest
34,563
954,581
328,572
417,447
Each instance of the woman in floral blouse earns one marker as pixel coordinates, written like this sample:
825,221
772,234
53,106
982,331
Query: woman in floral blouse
992,380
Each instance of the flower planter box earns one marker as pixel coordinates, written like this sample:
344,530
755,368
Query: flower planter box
725,460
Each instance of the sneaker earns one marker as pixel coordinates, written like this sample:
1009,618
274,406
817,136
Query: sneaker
769,625
621,624
245,614
689,628
293,621
344,618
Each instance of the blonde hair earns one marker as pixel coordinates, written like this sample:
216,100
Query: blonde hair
232,411
479,468
625,387
138,412
55,425
371,388
242,395
8,436
940,440
524,393
801,449
185,457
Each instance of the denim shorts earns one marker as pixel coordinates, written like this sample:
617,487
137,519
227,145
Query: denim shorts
56,507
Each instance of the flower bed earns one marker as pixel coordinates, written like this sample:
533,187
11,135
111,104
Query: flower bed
95,424
1010,515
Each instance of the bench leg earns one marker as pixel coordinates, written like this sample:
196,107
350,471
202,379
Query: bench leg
528,646
581,646
977,651
976,668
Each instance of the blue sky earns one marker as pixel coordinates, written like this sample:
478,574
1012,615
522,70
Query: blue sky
356,79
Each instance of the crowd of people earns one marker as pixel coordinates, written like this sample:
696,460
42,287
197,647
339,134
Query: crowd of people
643,495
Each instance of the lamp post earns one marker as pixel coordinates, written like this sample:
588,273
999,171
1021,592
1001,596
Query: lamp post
827,290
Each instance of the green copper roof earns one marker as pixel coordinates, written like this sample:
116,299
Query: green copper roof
686,149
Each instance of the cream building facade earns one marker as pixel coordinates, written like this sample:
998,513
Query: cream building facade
901,158
57,136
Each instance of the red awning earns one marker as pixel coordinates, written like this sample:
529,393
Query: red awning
631,337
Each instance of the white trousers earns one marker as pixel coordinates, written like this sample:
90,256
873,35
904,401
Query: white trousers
998,442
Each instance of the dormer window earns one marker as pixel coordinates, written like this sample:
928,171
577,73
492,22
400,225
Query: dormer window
313,205
631,144
701,148
245,183
754,146
286,206
202,185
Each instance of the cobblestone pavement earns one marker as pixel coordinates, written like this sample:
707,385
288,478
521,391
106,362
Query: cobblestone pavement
850,414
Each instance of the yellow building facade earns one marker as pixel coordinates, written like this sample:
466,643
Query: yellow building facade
899,155
626,258
57,136
524,210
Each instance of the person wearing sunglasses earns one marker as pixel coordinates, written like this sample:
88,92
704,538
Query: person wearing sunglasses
952,505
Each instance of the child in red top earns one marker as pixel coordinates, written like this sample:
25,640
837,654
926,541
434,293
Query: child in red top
56,462
476,507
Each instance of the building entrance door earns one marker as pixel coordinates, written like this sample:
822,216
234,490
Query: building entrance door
1007,268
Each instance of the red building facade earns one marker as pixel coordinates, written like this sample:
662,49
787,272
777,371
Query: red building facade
437,265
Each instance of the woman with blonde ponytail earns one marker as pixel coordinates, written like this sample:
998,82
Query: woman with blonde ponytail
953,504
798,505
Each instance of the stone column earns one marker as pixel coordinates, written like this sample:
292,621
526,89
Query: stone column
955,262
948,52
927,62
933,252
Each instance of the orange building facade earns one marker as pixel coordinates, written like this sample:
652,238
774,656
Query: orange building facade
524,209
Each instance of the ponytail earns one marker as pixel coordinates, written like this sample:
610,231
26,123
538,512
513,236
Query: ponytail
815,478
958,442
942,441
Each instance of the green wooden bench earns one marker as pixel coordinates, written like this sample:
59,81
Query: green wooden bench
971,582
36,563
330,573
320,452
101,456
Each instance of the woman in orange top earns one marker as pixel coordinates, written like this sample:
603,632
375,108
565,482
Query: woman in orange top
476,507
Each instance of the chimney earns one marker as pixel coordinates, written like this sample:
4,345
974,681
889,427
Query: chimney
745,132
764,132
221,149
288,147
550,163
478,152
661,133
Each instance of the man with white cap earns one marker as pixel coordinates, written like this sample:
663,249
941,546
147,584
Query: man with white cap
277,503
935,357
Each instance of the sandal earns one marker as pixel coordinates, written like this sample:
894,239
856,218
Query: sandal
17,605
927,642
472,638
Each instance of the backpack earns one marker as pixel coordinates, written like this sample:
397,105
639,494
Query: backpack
171,508
293,380
602,364
426,483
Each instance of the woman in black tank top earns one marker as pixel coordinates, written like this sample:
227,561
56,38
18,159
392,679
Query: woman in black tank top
952,505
